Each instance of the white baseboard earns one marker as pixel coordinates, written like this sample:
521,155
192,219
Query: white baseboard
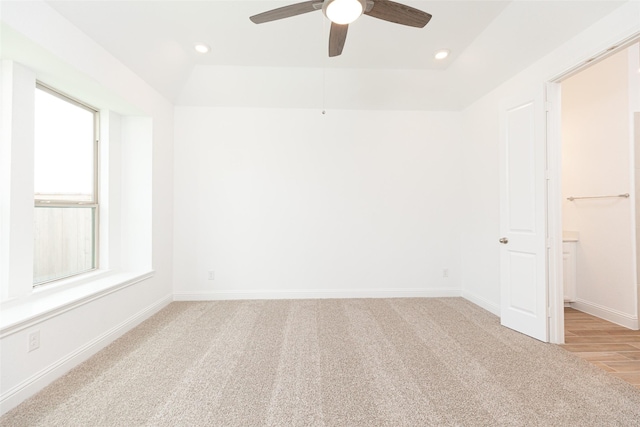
482,302
27,388
614,316
317,294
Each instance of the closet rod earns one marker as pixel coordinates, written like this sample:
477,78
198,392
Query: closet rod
571,199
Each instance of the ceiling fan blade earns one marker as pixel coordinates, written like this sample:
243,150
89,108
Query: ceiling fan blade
337,37
286,11
398,13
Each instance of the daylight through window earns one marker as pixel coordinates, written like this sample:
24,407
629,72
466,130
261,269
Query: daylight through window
65,187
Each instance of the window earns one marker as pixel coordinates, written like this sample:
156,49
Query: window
65,187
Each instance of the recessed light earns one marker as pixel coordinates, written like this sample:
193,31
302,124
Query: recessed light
442,53
202,48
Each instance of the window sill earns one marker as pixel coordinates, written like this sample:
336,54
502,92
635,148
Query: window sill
52,300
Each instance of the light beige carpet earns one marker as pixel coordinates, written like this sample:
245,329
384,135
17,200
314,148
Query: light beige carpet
356,362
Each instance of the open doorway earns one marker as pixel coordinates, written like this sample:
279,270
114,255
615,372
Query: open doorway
592,213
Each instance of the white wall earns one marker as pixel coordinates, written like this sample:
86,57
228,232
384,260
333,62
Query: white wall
480,121
294,203
636,127
18,126
55,52
596,160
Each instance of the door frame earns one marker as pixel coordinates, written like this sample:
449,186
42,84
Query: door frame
554,186
554,213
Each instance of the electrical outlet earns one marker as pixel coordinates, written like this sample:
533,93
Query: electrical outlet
445,272
34,340
211,275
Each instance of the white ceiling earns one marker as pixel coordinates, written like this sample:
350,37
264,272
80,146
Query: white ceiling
285,64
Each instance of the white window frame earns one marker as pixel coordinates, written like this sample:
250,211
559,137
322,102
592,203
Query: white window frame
94,204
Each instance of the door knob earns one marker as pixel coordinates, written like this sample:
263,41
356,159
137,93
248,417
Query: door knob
504,240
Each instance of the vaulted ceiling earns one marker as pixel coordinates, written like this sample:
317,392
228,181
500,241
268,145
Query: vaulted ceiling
285,63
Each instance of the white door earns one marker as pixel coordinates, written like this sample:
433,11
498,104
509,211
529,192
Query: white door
523,253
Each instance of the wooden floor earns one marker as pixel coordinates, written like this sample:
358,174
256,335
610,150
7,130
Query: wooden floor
606,345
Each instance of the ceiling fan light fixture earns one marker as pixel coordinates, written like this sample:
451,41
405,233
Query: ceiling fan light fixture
441,54
343,11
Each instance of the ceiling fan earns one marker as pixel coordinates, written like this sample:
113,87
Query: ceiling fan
343,12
